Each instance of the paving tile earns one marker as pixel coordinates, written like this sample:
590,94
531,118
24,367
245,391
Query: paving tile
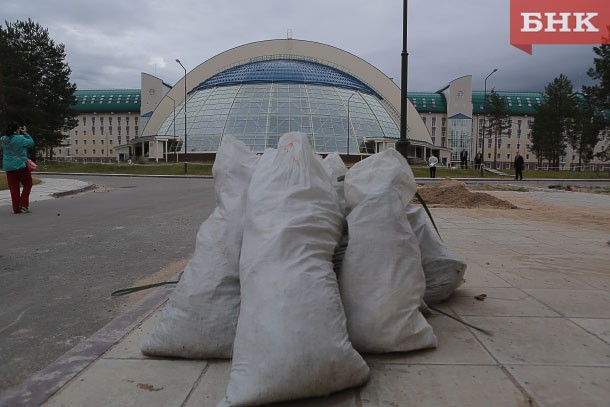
500,302
456,345
540,276
598,327
434,386
565,386
575,303
478,276
112,382
129,347
536,341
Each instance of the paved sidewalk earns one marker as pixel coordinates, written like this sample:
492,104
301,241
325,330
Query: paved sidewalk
548,306
48,189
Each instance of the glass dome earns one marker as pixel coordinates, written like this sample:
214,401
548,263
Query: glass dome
258,102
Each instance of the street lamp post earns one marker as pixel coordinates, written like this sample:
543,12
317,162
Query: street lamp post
175,141
348,124
403,143
185,143
485,121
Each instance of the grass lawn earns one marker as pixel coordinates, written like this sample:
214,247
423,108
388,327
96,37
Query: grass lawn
206,169
4,184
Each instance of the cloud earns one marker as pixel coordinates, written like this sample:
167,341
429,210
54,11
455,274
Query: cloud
110,43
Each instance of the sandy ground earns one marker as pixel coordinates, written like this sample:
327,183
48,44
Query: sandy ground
519,205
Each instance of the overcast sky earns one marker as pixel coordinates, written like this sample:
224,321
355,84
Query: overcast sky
110,42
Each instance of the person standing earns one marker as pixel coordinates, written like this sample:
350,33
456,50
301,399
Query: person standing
519,164
432,161
477,160
15,146
464,158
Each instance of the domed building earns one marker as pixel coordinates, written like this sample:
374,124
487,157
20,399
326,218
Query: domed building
259,91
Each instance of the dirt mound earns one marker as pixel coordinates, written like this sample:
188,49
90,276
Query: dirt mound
454,194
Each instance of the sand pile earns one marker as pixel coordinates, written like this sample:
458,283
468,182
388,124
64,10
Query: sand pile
454,194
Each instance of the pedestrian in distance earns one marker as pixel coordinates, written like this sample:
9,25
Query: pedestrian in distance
478,158
15,146
464,158
519,165
432,161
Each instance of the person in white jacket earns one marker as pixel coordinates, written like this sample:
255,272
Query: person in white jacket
432,161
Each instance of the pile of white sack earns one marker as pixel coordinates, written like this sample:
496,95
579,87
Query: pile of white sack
296,272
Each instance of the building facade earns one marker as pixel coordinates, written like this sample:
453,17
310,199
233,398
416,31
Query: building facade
259,91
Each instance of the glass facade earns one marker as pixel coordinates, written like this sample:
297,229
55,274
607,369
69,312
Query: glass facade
258,111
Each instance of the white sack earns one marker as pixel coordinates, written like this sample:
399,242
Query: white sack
200,318
381,280
335,167
444,270
291,339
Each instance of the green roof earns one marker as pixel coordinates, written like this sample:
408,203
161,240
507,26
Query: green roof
427,102
113,100
517,103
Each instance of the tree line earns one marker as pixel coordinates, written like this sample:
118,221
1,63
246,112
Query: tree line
566,117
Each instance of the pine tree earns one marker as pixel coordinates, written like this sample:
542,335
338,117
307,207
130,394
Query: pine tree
554,123
588,124
35,83
499,119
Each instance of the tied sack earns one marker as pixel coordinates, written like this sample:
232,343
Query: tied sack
291,339
444,270
200,318
381,279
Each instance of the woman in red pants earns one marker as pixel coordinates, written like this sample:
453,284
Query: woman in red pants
15,154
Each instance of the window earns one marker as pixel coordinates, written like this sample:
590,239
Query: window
110,121
93,130
508,146
118,119
433,131
101,120
127,130
110,142
93,121
110,151
508,156
424,119
135,119
110,130
76,132
94,151
102,141
85,142
84,132
127,139
75,142
460,93
433,122
101,151
127,120
85,151
136,129
76,151
84,121
93,142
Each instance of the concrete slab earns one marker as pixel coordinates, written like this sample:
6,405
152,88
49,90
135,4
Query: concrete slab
478,276
114,382
565,386
434,386
456,346
129,347
575,303
598,327
500,302
542,277
536,341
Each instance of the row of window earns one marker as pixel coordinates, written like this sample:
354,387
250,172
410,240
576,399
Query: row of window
101,120
101,141
94,152
110,131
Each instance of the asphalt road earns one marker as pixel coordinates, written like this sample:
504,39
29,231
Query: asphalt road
59,263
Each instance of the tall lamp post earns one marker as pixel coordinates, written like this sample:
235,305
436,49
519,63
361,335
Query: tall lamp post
185,143
348,126
175,141
403,143
485,121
